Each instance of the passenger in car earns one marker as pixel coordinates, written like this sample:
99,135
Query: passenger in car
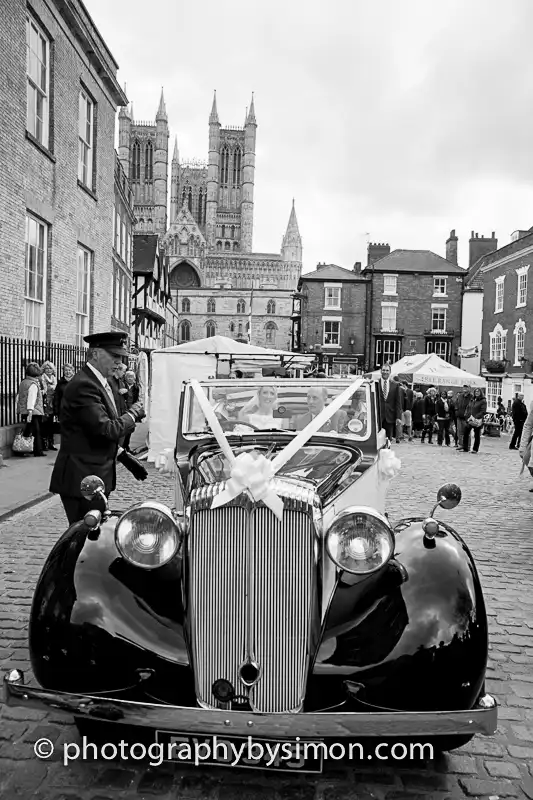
259,411
316,401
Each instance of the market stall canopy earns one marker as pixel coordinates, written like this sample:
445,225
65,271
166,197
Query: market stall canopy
431,370
201,359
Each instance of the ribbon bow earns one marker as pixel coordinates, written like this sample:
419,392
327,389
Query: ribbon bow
252,472
389,464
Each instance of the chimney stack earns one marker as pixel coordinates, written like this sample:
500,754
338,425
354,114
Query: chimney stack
451,248
377,251
479,246
357,266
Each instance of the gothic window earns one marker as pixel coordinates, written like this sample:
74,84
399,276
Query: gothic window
210,329
223,234
150,222
200,206
228,245
241,306
236,166
149,162
186,306
183,197
185,331
232,327
211,306
235,245
233,231
219,245
140,223
271,307
136,161
270,333
240,330
224,166
190,199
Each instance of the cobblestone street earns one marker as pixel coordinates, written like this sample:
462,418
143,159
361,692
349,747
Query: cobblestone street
496,521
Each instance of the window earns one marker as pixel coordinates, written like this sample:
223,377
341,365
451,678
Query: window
38,77
149,162
498,343
210,329
116,292
438,319
441,349
86,138
499,294
390,284
520,338
123,238
388,317
232,327
439,286
387,351
136,161
186,306
211,306
241,306
83,295
521,293
332,333
35,278
271,307
270,333
185,331
493,392
332,297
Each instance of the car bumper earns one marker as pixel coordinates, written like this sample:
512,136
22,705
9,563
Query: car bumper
337,725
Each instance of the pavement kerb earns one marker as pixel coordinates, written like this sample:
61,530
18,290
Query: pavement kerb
142,456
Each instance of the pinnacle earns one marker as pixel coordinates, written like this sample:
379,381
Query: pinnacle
251,120
176,156
162,111
213,117
292,226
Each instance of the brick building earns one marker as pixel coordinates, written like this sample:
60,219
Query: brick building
224,311
330,314
414,303
507,327
57,167
472,313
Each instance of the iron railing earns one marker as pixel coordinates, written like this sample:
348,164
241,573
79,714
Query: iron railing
15,354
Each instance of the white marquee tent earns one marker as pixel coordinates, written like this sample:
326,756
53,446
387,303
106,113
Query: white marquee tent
431,370
201,359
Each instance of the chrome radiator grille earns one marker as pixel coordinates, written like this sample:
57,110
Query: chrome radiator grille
252,597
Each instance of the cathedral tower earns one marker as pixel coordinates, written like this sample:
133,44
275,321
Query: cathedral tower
247,205
212,175
161,168
174,182
291,247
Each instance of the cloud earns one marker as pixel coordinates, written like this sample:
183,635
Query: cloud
402,120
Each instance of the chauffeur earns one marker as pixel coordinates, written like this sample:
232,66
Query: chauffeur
91,427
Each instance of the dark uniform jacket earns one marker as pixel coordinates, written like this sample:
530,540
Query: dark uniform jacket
90,432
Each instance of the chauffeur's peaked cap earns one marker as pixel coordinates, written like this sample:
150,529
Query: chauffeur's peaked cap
113,341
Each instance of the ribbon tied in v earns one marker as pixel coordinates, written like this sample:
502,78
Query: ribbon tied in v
253,472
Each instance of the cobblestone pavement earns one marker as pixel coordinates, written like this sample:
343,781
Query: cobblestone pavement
496,521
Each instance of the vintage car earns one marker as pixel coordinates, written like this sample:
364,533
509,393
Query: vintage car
275,600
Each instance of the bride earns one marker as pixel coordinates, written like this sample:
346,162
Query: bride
259,411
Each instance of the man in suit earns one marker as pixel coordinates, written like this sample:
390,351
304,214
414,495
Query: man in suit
390,401
316,401
91,428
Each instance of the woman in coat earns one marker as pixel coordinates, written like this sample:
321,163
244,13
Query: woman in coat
417,413
443,418
68,374
48,383
475,412
30,406
526,442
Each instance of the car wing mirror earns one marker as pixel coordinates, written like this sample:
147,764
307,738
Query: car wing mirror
449,496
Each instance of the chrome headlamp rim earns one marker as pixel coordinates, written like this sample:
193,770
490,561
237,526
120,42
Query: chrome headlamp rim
371,512
154,505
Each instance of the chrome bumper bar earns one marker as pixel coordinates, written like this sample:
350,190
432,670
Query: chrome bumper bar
323,725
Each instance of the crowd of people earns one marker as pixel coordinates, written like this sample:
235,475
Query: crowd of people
40,397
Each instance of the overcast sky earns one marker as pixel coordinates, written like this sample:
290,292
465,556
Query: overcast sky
387,120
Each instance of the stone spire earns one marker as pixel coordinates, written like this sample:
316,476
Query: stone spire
131,112
250,119
176,155
291,248
161,111
213,117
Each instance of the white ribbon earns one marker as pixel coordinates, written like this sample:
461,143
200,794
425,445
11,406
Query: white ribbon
388,464
165,463
254,472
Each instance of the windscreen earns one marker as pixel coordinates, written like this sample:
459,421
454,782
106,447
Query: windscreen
250,406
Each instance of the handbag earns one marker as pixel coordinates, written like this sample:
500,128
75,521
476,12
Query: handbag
475,423
22,444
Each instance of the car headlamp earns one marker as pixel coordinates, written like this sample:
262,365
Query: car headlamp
147,535
360,540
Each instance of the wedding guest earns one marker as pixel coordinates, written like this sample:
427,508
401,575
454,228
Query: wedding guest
475,412
48,383
68,374
30,406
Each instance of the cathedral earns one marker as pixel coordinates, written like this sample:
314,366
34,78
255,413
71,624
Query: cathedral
219,285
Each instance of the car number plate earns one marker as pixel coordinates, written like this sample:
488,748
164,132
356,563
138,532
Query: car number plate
241,751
